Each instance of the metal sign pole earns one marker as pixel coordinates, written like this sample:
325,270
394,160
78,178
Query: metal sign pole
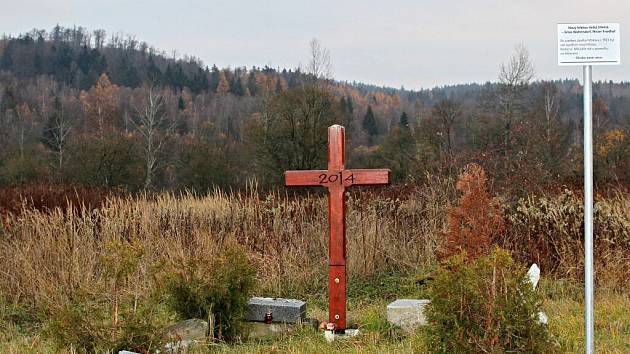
588,210
604,48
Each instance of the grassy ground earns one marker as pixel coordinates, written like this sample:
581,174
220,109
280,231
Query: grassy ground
367,310
565,307
50,260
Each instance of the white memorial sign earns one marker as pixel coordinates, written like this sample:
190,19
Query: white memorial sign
588,44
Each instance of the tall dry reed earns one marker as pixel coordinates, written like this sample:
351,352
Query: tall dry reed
45,256
549,230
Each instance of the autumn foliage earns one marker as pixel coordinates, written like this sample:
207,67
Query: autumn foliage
100,105
476,222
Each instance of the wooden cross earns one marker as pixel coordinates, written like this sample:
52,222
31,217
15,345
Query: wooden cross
336,178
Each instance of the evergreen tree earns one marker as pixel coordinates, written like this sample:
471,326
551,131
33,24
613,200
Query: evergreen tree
62,63
39,61
369,124
236,87
349,104
8,100
214,79
180,79
346,115
397,151
6,61
252,85
294,79
404,121
154,74
278,85
91,64
175,76
199,82
168,75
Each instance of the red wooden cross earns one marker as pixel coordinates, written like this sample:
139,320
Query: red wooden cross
336,178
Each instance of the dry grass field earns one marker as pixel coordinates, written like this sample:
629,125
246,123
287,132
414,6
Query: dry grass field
52,258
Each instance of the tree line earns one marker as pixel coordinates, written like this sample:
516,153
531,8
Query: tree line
77,108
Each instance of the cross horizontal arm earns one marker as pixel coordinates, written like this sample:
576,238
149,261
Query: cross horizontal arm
326,178
365,177
303,178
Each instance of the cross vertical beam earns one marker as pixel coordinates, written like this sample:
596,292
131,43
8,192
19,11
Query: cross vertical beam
336,197
336,178
337,230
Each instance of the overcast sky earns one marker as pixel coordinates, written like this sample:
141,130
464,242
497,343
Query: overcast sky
418,44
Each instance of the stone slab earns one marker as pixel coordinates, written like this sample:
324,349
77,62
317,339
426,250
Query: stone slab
282,310
330,336
263,330
408,314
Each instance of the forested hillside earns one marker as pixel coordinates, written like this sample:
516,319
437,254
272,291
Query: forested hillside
84,108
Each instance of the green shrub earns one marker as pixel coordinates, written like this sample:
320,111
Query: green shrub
487,305
84,323
17,315
215,288
81,323
107,316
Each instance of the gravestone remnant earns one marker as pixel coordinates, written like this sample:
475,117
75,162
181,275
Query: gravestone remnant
336,178
282,310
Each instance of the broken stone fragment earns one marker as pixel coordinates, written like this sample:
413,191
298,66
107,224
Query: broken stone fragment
407,314
187,330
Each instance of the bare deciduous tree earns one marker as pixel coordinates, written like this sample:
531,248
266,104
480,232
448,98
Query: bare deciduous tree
25,124
447,112
551,107
554,137
56,133
99,39
519,71
514,78
154,128
319,65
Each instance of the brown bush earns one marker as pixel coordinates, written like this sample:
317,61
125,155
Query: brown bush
476,222
46,197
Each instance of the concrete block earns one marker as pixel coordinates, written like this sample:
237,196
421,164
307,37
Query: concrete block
282,310
407,313
192,329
